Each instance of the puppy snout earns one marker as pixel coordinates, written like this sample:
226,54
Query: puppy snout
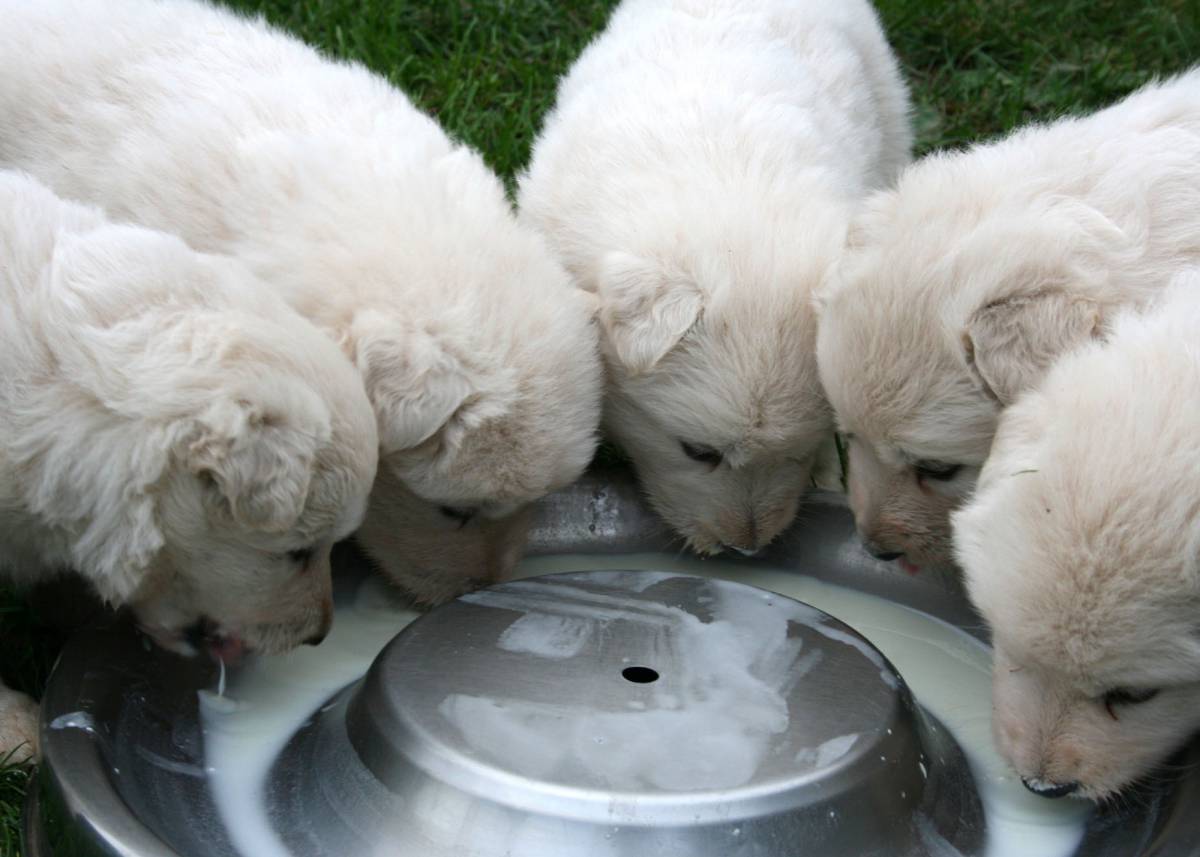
1045,788
496,567
504,545
744,550
501,560
326,624
881,553
739,533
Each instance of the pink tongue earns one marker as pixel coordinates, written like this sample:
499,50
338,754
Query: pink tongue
227,649
909,568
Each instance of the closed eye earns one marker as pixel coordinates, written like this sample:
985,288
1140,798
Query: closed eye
938,471
302,555
703,454
1126,696
461,514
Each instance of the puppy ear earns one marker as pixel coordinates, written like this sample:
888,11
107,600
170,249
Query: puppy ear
416,385
1010,343
122,536
115,551
644,309
258,458
95,481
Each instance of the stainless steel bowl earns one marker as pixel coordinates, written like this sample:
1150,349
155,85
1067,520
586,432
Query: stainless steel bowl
624,713
127,777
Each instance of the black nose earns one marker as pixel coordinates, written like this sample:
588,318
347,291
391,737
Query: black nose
881,554
1046,789
317,639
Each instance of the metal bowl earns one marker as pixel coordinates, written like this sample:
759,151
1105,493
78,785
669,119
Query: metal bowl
127,778
624,713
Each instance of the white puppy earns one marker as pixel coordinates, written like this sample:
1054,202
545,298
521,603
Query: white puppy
697,175
170,429
1081,548
961,285
479,358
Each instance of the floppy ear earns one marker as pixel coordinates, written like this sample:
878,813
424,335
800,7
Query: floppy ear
94,480
1010,343
122,537
259,459
644,309
416,385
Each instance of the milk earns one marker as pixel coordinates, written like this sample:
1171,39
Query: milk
267,701
947,670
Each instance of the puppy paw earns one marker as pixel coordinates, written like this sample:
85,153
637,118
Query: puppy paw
18,728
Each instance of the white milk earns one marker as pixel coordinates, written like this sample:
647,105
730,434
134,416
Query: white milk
269,699
947,670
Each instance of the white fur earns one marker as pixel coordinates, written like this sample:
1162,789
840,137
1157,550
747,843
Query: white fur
697,176
960,286
170,429
1081,548
479,358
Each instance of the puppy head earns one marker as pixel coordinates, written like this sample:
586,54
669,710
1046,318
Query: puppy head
221,446
476,353
713,389
1081,548
265,482
478,356
485,428
436,553
955,293
488,403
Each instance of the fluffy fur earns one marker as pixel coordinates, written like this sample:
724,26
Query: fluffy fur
170,429
961,285
480,360
1081,548
697,176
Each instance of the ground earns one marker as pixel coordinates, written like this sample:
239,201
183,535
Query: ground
486,69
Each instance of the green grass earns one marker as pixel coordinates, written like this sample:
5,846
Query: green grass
486,69
978,68
13,780
28,647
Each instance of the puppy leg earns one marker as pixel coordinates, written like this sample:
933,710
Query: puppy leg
18,727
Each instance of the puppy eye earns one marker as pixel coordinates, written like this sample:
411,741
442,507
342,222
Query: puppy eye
703,454
938,471
1126,696
301,556
462,514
